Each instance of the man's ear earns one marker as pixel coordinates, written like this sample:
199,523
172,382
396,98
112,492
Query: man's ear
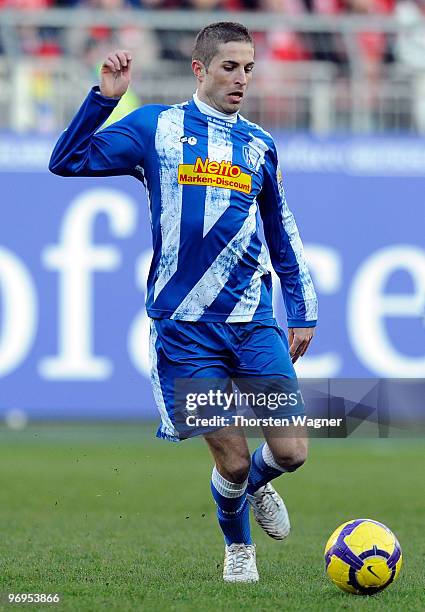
198,69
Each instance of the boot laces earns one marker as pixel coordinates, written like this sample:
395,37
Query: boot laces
269,501
238,558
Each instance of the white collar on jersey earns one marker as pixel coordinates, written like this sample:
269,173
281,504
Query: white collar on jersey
206,109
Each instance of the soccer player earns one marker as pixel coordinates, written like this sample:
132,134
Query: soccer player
207,171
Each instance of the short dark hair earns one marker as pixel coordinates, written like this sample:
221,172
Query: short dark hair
212,35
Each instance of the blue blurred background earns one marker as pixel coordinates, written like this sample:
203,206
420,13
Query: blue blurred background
340,86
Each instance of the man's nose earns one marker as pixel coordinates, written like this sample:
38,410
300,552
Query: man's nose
240,77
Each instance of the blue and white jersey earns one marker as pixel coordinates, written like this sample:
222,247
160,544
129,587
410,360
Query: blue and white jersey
206,176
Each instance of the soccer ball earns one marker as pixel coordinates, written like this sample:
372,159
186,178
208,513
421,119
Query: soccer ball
362,557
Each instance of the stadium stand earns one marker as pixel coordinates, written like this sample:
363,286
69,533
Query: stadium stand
322,65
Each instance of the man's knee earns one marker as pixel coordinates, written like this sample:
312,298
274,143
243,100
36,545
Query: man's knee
290,457
235,469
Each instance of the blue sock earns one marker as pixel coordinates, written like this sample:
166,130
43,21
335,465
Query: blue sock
263,468
232,509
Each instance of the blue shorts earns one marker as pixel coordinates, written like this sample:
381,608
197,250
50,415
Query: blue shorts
246,353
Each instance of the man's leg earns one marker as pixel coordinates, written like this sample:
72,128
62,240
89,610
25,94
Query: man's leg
229,481
281,452
265,370
228,486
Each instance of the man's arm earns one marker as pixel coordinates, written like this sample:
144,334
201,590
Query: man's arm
81,150
287,256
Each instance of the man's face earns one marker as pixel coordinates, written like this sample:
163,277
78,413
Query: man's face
224,83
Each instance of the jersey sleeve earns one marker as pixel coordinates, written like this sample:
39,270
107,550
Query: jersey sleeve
82,150
285,246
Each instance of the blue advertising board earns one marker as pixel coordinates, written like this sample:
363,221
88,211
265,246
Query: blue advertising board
74,256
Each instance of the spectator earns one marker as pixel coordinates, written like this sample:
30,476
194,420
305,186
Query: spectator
244,5
282,45
373,47
157,4
325,46
25,4
410,51
206,5
323,7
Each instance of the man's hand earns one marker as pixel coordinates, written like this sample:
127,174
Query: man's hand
299,339
115,74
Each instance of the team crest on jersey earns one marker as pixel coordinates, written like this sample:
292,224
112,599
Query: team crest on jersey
254,152
251,156
215,174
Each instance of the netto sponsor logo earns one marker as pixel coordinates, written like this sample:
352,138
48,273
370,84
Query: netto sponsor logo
216,174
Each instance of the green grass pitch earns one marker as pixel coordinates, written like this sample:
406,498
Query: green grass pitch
113,519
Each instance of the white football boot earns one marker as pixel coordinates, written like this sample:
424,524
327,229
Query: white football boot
270,512
239,563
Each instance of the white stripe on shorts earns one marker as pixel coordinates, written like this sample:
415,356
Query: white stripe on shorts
167,428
